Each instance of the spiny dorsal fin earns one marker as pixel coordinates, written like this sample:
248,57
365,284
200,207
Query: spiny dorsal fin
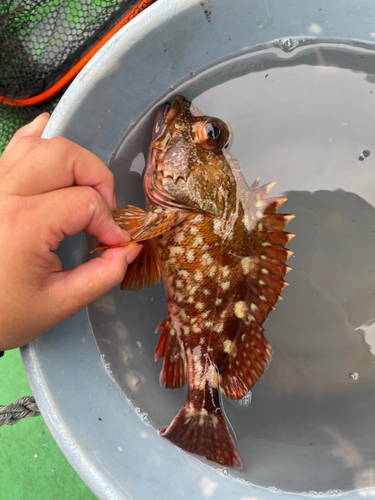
248,352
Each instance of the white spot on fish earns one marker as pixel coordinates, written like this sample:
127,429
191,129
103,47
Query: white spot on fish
207,259
218,302
190,299
259,214
246,221
195,329
183,315
179,284
176,250
253,307
193,289
217,225
183,273
212,271
206,292
180,237
225,285
205,247
227,345
245,263
198,276
208,324
264,271
199,306
205,314
219,327
191,411
193,230
225,271
197,241
261,282
190,255
240,309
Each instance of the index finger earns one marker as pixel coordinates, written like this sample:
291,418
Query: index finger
58,163
32,129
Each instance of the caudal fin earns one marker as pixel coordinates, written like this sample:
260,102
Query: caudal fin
203,433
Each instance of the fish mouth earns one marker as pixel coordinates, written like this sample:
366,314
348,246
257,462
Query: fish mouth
164,118
159,122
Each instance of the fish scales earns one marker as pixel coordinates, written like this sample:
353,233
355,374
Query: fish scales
219,247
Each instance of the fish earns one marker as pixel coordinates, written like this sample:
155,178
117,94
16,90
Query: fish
219,247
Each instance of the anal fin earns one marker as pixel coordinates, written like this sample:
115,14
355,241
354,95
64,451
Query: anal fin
173,374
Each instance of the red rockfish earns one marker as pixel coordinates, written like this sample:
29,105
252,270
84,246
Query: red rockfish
219,247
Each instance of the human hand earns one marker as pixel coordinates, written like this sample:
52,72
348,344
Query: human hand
49,189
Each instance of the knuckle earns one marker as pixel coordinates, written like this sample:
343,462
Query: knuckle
111,178
27,141
92,197
61,145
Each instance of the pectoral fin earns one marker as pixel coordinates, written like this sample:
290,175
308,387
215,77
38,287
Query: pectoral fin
144,272
142,225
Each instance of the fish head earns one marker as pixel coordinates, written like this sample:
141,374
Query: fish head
187,167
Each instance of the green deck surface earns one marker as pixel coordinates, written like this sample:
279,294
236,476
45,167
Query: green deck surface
31,464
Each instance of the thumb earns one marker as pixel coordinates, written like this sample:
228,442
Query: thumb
88,282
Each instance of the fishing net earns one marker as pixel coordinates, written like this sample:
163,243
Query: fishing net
42,43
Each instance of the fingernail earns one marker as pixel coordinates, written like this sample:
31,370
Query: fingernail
45,114
125,233
133,254
128,236
114,203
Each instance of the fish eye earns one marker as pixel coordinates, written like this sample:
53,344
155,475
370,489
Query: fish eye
210,133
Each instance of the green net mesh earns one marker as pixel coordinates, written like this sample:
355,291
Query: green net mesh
39,42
